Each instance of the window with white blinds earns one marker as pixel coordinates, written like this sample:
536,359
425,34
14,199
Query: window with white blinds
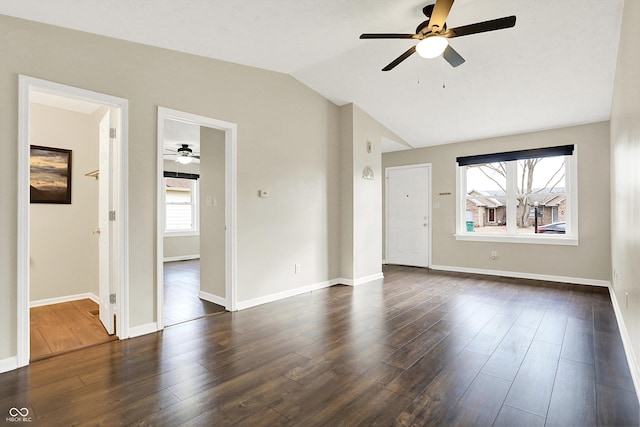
181,205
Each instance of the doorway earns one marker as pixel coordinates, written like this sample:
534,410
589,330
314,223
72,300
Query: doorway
195,216
408,215
102,206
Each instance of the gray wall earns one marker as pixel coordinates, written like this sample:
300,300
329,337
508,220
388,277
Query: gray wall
288,143
361,199
625,176
589,260
64,252
212,218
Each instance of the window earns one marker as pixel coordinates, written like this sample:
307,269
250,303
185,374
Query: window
181,205
500,195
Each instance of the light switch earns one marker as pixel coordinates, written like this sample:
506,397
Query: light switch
263,193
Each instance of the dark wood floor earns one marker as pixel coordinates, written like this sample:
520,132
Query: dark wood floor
423,348
181,290
68,326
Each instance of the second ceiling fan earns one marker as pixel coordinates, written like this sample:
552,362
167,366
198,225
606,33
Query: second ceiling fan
433,34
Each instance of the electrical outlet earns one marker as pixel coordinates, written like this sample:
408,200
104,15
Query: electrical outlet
296,268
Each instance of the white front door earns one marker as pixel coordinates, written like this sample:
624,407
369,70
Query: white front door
408,215
104,225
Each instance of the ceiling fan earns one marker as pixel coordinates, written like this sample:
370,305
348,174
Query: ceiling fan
184,154
433,34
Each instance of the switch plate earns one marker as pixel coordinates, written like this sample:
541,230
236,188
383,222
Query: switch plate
263,193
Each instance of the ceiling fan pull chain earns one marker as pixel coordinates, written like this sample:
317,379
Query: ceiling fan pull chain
444,86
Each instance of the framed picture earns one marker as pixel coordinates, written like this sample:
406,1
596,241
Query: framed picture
50,175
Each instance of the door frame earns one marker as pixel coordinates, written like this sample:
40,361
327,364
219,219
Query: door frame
119,244
230,153
429,210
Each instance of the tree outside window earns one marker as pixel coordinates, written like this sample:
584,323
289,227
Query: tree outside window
500,197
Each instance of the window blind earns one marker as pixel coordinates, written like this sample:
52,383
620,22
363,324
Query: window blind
561,150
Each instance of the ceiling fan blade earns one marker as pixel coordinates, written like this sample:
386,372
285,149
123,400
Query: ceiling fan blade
482,27
389,36
400,58
440,13
452,57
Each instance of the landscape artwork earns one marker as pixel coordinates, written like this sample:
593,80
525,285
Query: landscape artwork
50,180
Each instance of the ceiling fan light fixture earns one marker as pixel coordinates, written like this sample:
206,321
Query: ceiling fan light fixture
432,46
185,160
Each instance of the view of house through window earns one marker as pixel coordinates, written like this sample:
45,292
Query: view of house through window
504,197
180,205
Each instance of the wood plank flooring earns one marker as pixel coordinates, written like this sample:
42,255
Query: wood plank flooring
181,290
422,348
68,326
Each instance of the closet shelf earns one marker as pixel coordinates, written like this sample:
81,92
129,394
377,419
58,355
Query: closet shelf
93,174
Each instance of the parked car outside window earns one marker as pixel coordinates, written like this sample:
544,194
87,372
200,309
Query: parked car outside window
553,228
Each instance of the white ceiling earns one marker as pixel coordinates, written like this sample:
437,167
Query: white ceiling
177,133
71,104
554,69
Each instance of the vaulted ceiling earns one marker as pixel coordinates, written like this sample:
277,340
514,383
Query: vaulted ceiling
555,68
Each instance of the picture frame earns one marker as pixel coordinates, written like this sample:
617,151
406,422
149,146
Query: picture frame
50,175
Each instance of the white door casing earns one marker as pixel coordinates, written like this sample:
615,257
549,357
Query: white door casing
118,246
408,215
230,130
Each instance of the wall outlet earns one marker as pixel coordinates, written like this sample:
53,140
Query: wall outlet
296,268
494,255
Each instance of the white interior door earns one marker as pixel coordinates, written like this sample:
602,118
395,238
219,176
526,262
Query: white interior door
408,216
104,205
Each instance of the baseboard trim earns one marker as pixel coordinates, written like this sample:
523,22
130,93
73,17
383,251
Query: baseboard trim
212,298
520,275
634,368
363,280
180,258
242,305
68,298
8,364
137,331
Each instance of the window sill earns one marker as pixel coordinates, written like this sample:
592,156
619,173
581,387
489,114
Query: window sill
181,233
535,240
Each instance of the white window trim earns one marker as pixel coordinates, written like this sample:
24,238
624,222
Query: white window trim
570,238
195,203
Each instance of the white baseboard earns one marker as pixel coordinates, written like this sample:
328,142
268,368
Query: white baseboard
286,294
520,275
8,364
626,342
68,298
137,331
384,261
213,298
180,258
361,280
